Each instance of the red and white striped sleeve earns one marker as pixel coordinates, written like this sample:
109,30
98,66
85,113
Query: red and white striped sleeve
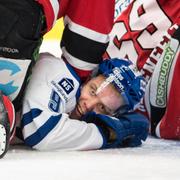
88,24
86,34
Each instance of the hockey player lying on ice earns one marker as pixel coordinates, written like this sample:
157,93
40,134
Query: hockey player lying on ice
55,101
148,33
59,113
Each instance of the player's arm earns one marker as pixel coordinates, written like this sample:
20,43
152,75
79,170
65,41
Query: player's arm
98,132
43,130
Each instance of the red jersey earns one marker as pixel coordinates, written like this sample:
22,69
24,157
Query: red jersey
141,33
139,29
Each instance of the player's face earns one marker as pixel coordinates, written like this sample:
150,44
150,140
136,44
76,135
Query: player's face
102,101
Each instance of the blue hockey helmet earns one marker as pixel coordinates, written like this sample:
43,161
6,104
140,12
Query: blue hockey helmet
127,80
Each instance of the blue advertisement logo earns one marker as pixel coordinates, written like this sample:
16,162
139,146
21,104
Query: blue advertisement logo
67,85
8,88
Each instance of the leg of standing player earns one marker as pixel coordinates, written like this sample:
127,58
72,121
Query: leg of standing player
20,38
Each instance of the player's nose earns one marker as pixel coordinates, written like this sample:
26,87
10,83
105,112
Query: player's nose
90,104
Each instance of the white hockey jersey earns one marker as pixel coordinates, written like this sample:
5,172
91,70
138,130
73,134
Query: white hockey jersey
50,96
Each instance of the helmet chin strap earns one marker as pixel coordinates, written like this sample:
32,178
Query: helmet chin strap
124,108
121,110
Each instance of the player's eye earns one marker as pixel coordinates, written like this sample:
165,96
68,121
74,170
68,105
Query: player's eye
92,91
102,109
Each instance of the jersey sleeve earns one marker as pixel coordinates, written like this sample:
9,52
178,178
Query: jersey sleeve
43,130
87,25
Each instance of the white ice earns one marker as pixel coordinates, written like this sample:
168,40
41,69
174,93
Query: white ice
155,160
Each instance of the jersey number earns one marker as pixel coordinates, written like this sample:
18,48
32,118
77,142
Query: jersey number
142,21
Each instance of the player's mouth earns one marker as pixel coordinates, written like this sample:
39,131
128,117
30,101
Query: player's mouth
80,110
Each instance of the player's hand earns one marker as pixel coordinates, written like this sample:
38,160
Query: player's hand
128,130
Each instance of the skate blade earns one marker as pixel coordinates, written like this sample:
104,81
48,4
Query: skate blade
3,142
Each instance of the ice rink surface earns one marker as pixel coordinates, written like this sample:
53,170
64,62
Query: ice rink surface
154,160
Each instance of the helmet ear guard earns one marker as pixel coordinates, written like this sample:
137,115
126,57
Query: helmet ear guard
127,80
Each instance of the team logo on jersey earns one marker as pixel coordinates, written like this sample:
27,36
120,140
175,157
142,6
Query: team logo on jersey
7,71
67,85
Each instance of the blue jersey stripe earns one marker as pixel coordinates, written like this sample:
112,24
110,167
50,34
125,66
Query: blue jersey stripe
78,93
28,117
42,132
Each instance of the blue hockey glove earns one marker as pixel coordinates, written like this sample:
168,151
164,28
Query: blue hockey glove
126,131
